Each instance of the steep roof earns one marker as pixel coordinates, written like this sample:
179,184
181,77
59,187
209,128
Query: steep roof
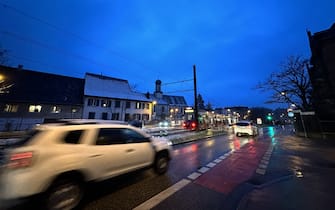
175,100
110,87
38,87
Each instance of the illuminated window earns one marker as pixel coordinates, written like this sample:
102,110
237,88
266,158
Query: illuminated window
35,108
11,108
147,105
138,105
103,103
55,109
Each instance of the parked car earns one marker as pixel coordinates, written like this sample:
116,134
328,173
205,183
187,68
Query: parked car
56,160
245,128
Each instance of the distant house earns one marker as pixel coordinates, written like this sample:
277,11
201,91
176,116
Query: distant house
167,107
30,97
111,98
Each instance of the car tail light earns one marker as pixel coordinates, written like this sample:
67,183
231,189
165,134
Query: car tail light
20,160
194,125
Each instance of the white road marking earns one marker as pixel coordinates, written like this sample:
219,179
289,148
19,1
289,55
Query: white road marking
155,200
217,161
152,202
211,165
260,171
262,166
203,170
265,162
194,175
222,157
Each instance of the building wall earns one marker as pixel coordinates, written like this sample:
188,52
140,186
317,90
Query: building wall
322,72
116,109
22,116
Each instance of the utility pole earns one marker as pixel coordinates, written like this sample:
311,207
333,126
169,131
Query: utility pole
195,98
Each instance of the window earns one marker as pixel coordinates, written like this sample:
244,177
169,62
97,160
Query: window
73,137
115,116
138,105
146,105
91,115
11,108
117,104
55,109
109,136
96,102
136,116
103,103
132,136
106,103
145,117
163,109
93,102
35,108
90,102
104,115
127,117
127,104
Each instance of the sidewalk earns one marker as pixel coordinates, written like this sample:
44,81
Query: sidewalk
300,175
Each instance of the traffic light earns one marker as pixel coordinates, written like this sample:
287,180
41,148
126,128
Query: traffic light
269,117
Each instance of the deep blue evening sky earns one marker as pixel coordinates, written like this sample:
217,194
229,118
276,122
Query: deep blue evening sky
234,43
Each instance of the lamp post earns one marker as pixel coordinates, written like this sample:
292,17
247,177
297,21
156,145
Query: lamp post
153,111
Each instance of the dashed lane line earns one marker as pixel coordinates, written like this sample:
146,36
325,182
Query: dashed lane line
194,175
154,201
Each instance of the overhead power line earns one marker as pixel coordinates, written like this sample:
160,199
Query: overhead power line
57,49
181,81
69,33
179,91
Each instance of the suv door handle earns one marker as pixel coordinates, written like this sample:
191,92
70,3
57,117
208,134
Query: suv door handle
130,150
96,155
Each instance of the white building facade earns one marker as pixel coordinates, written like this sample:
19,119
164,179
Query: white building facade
110,98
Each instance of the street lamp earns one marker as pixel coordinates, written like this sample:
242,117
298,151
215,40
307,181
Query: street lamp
153,109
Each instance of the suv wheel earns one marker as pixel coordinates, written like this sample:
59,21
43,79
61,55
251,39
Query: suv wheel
161,163
64,194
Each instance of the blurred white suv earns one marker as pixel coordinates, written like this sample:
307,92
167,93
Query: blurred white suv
245,128
56,160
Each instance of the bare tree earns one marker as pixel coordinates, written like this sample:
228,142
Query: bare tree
291,84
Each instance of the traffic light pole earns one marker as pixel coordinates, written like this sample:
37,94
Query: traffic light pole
196,115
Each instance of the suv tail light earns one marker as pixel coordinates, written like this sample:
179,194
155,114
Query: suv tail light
20,160
193,124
